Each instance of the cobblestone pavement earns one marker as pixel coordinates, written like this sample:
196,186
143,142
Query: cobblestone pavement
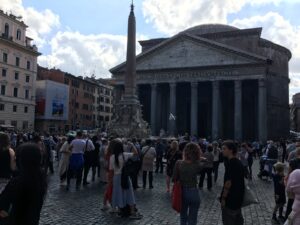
83,207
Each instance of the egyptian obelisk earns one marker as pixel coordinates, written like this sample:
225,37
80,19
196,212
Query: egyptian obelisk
127,118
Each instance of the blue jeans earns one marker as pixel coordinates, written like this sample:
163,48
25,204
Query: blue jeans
190,206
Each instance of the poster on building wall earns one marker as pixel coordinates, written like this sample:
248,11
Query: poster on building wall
55,101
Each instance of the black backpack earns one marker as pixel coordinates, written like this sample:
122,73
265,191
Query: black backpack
272,153
128,169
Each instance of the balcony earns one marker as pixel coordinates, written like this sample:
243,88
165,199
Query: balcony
7,37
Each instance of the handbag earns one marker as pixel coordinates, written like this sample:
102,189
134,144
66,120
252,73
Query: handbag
177,193
249,197
177,197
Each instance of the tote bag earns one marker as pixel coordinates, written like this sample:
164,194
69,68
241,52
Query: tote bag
177,197
249,197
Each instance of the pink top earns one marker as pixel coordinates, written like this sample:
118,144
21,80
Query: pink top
293,185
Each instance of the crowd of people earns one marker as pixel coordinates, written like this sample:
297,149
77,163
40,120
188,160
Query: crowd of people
27,159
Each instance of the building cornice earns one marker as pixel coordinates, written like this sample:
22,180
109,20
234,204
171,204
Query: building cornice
20,47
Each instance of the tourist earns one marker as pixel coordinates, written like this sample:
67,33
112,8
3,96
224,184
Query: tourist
148,155
64,159
250,152
217,155
186,172
234,187
49,147
89,149
77,147
293,165
172,156
107,199
7,160
293,186
160,152
284,151
243,156
22,199
121,198
103,161
279,192
95,157
208,168
272,156
136,163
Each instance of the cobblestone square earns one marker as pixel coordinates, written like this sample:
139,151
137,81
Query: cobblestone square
83,207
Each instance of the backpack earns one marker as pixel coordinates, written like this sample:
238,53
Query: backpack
128,169
272,153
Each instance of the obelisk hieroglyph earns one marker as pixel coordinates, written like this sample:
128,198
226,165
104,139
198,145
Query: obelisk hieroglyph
127,117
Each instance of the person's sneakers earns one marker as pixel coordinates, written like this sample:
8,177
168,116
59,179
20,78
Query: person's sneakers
105,208
275,220
135,216
85,183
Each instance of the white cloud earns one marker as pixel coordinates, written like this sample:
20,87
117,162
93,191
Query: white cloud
86,54
40,23
173,16
279,30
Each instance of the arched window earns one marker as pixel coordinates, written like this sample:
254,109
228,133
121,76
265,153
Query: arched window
6,30
18,34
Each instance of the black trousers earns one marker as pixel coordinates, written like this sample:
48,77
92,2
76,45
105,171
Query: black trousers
87,168
208,172
289,207
49,166
145,178
77,173
159,165
216,170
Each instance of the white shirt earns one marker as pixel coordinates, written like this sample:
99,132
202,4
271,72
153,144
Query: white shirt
112,162
78,146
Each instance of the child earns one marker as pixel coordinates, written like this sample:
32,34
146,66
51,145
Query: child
279,189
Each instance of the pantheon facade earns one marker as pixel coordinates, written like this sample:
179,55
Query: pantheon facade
214,81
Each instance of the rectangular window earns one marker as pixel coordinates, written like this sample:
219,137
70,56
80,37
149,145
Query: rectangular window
2,107
28,65
14,123
5,57
25,109
16,76
15,92
27,79
17,61
26,94
14,108
3,89
4,71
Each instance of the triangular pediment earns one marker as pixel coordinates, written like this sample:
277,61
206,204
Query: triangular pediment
184,51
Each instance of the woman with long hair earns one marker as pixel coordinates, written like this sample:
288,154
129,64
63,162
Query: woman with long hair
121,197
7,160
186,172
172,156
22,199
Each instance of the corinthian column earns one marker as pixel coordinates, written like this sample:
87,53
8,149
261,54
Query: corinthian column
194,108
262,111
172,116
153,108
238,110
215,109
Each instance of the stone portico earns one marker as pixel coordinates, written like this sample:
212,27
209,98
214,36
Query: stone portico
211,85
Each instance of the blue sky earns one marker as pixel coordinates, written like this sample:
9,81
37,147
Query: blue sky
89,36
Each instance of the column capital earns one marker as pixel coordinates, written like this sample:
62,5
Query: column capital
194,84
238,84
153,85
172,84
262,82
216,83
